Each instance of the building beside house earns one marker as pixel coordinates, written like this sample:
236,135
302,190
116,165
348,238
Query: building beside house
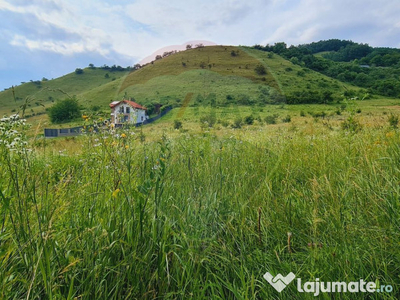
127,112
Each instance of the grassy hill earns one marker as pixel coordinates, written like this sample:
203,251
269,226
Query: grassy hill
41,94
219,74
214,72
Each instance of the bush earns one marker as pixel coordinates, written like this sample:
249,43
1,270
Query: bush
177,124
78,71
95,108
393,120
237,123
249,120
208,120
224,122
243,99
352,125
63,111
260,70
229,97
271,119
287,119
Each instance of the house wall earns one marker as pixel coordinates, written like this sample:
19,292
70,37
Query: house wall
134,116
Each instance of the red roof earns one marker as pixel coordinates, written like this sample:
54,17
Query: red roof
130,103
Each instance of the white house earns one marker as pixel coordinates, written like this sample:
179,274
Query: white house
127,112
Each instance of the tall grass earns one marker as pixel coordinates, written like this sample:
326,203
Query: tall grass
199,216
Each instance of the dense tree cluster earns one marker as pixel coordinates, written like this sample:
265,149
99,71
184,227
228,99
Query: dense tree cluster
113,68
376,69
304,97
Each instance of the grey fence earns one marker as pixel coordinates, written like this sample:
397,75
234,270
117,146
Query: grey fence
48,132
63,132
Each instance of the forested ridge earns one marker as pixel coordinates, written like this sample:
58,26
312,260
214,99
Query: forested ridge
376,69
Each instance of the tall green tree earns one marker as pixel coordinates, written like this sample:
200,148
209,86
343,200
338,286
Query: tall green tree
64,110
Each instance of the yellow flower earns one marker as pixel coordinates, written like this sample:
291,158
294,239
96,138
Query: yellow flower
85,117
115,193
127,147
123,135
390,134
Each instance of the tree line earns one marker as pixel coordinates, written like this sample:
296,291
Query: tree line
376,69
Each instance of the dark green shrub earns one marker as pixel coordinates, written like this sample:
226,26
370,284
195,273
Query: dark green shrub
243,99
177,124
260,69
249,120
271,119
63,111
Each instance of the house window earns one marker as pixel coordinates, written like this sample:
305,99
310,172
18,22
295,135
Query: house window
126,118
142,118
128,110
121,109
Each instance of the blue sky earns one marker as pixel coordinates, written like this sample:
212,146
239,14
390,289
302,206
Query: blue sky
49,38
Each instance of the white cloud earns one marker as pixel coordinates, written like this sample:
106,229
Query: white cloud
64,48
135,29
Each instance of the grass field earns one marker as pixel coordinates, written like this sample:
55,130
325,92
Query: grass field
203,212
203,202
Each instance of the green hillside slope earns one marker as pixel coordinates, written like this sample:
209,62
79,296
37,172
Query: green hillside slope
218,74
44,93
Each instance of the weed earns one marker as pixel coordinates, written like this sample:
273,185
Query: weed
351,124
393,120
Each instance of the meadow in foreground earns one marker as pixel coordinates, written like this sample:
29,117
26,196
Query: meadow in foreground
199,215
